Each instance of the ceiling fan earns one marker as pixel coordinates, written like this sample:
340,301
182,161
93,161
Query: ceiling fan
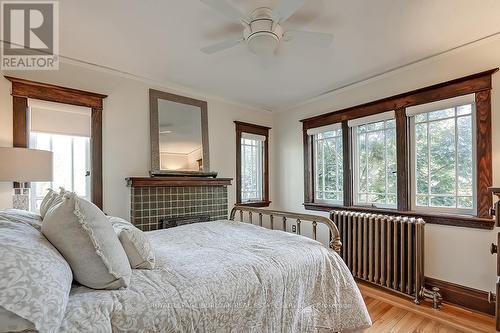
262,29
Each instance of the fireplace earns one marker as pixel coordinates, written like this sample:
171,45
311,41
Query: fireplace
170,222
177,200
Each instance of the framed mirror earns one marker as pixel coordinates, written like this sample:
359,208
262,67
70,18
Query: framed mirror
179,135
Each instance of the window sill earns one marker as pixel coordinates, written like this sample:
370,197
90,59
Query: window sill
431,218
255,203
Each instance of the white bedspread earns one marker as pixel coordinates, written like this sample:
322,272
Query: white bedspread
226,277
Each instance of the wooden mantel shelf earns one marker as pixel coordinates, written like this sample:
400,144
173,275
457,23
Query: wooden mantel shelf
177,181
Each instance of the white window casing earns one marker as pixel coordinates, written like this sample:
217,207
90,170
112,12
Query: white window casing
253,173
331,193
354,124
451,103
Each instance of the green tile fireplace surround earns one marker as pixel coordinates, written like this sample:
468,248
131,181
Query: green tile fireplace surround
153,199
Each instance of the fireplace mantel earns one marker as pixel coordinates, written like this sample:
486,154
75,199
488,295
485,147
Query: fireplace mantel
177,181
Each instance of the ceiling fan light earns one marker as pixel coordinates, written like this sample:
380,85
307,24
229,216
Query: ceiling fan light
263,43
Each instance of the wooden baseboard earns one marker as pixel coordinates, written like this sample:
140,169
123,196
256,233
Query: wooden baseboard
466,297
461,319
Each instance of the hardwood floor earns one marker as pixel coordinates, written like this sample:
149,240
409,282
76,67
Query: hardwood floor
391,313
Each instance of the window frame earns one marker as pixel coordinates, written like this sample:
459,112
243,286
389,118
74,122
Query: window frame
412,165
23,89
243,127
259,160
355,159
33,142
315,142
478,84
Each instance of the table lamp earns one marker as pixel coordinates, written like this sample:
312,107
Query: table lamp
24,165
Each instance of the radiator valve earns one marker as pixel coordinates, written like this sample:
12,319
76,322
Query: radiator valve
491,297
434,295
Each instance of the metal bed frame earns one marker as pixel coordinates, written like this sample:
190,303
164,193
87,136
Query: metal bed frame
334,240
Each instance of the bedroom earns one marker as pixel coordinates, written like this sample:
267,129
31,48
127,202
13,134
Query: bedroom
116,60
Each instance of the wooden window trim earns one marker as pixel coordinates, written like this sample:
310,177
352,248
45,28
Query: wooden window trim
259,130
24,89
479,84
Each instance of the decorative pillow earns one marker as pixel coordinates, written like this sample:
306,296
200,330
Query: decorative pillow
83,235
47,202
35,280
135,243
53,198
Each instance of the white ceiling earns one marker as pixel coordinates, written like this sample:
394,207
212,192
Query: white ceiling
160,40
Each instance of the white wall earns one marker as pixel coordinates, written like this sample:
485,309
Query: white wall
126,139
126,149
459,255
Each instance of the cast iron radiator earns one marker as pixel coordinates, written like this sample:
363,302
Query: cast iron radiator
385,250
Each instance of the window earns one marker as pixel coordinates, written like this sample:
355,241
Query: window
443,155
328,164
24,92
431,157
64,130
252,164
374,160
71,165
252,168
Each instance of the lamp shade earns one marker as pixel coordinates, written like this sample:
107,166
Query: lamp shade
25,165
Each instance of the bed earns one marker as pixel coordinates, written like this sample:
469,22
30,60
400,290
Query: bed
225,276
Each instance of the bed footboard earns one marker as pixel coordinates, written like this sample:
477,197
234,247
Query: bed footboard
276,216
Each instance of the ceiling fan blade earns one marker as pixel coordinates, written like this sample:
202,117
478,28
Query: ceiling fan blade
226,9
285,9
319,39
211,49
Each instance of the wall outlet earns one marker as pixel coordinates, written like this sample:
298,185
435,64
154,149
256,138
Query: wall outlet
294,228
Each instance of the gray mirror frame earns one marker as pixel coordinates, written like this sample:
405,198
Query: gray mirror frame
154,95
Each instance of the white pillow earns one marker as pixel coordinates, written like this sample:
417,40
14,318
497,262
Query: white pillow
135,243
47,202
35,280
51,199
83,235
